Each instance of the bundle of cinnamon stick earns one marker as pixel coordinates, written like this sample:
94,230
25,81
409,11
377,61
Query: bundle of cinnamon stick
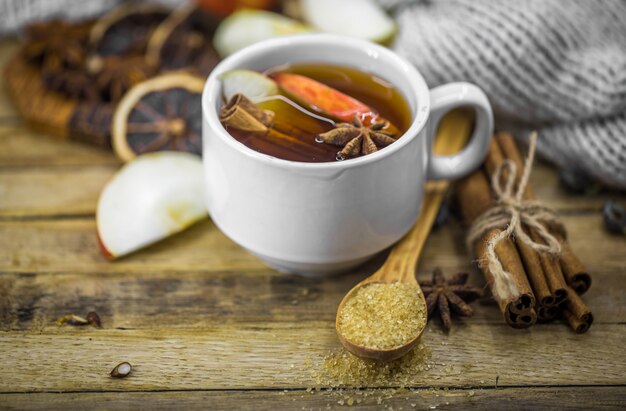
540,286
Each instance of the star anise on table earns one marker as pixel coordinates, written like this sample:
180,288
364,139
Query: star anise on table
60,49
358,139
115,75
57,42
73,82
443,295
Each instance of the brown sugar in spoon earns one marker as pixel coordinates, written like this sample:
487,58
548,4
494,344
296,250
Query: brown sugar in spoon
400,265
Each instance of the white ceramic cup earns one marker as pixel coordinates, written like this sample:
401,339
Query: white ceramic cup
321,218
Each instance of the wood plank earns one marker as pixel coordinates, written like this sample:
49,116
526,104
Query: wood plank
147,300
287,355
71,246
8,47
22,148
74,189
67,191
571,398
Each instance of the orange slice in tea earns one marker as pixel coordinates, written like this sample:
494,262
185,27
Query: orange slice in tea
322,98
160,114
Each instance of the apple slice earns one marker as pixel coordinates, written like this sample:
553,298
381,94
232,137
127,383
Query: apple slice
251,84
246,26
150,198
355,18
320,97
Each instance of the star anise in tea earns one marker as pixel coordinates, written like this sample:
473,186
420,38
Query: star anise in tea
445,295
358,139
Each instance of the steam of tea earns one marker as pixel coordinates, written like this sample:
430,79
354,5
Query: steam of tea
312,112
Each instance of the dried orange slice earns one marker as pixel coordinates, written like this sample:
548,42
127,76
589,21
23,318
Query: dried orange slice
182,40
160,114
126,29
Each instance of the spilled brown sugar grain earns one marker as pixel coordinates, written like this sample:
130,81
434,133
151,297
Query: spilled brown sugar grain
342,369
383,316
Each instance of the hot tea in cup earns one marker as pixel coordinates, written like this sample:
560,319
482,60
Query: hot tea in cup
313,112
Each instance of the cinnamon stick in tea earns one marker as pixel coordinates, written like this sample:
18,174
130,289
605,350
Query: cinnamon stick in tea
241,114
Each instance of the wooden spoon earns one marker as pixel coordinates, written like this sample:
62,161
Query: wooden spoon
454,130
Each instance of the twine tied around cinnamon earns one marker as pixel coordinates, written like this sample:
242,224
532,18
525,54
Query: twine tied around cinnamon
511,214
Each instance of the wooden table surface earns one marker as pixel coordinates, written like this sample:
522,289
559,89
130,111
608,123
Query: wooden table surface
208,325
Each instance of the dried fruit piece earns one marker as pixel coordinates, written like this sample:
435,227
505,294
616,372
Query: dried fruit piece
245,27
251,84
182,40
126,29
150,198
322,98
121,370
162,113
356,18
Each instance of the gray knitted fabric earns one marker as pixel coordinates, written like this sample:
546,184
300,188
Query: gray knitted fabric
15,13
551,65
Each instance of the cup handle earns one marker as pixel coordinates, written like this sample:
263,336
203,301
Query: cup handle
443,99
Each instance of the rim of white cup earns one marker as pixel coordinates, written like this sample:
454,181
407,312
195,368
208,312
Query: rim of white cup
212,91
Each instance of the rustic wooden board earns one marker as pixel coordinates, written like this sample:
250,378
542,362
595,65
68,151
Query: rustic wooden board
194,299
70,245
207,325
261,355
8,47
31,188
21,149
68,191
531,398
